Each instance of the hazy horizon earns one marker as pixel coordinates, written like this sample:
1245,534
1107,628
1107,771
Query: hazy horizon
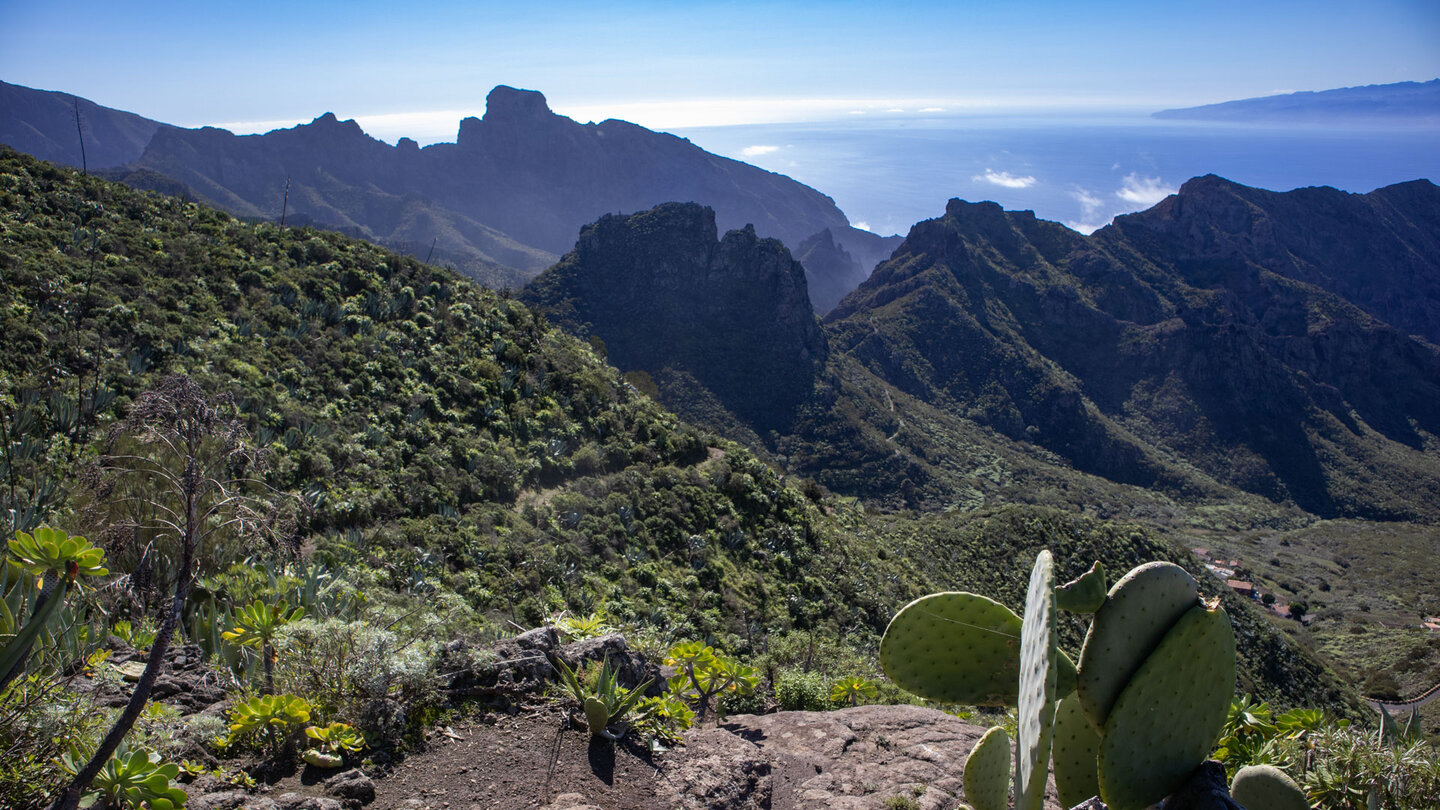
267,64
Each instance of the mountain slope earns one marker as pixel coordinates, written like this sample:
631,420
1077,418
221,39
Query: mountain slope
1167,342
514,188
42,123
455,448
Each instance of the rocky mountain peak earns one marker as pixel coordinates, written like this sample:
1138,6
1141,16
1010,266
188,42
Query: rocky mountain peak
510,103
666,295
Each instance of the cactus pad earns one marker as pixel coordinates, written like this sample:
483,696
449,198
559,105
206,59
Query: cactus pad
1267,787
1170,714
987,771
1076,748
954,647
1136,615
1085,593
1039,651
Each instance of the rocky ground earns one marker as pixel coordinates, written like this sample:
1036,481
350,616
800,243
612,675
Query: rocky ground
852,759
531,754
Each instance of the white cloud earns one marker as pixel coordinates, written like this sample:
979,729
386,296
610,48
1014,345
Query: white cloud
1086,228
1005,179
1089,203
864,226
1144,191
932,109
758,150
896,110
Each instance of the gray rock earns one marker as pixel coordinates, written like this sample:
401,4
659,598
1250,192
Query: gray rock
514,665
299,801
353,787
847,759
633,667
231,800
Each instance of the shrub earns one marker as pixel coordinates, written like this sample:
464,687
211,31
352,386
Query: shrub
357,673
799,691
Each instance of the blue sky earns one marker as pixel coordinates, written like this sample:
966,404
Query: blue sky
415,68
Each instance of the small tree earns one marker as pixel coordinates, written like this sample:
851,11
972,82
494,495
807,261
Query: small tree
177,469
257,625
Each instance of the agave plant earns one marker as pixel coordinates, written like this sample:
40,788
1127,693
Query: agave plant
609,702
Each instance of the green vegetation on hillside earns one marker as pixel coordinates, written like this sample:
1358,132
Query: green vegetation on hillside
462,469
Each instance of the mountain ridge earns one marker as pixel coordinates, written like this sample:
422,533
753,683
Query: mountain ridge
501,203
1397,102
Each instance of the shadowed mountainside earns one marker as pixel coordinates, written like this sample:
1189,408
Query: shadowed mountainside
1228,340
664,293
1212,331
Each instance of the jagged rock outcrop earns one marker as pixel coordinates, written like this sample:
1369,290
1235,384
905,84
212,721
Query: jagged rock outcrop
663,292
830,270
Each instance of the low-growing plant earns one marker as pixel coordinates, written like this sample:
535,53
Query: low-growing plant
580,628
257,625
272,721
800,691
701,674
851,690
332,742
134,779
663,719
139,635
353,671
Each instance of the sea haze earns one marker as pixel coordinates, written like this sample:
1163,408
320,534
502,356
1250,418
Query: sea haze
888,173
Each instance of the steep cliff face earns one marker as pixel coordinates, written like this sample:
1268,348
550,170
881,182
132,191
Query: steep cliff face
1225,330
664,292
830,270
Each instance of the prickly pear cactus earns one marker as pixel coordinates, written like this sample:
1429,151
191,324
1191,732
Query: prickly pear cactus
1170,714
954,647
987,771
1035,709
1136,615
1265,787
1076,748
1085,593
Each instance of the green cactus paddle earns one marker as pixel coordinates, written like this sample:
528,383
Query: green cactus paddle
987,771
1136,615
1166,721
1035,710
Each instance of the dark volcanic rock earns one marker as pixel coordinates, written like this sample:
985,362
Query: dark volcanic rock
663,292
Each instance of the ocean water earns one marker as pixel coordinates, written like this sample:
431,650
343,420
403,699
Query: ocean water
887,174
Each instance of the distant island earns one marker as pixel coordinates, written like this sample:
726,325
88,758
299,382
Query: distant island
1411,102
